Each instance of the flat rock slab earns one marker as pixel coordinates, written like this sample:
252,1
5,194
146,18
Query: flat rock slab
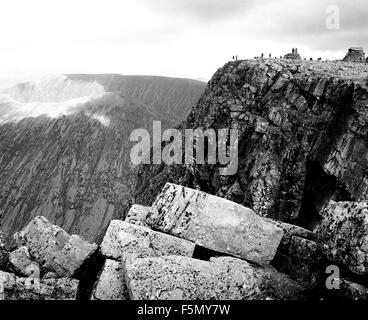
16,288
214,223
183,278
53,248
137,215
344,230
122,239
111,283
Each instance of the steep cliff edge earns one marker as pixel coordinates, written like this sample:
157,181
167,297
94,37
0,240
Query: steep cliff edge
302,138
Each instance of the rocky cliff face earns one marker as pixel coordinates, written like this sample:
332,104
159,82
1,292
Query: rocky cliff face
302,138
64,145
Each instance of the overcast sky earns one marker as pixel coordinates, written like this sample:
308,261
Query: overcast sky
181,38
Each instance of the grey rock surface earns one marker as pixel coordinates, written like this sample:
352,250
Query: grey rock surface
53,248
344,230
303,260
22,263
292,230
137,215
302,138
351,291
178,278
110,284
17,288
123,239
214,223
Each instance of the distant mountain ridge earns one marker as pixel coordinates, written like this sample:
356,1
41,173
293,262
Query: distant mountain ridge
64,145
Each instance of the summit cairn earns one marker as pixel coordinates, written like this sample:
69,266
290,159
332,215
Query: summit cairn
294,55
355,54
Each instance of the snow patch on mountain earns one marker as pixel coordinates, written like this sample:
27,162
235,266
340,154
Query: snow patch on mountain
50,96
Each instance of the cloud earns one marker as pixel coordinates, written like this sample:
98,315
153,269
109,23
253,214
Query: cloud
305,22
203,11
180,38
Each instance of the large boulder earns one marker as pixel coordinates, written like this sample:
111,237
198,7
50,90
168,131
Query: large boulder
183,278
344,229
22,263
214,223
16,288
111,283
53,248
122,239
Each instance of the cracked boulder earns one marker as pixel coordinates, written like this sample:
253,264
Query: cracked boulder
22,263
17,288
214,223
344,230
124,241
123,238
53,248
183,278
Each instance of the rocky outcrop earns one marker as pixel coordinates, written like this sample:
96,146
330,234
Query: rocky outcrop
303,132
355,55
294,55
344,229
141,263
146,264
53,248
302,129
